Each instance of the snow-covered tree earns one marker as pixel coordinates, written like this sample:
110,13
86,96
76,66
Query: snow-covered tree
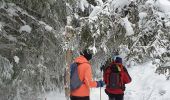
35,35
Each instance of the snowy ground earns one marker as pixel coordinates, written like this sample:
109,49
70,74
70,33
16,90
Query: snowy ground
145,85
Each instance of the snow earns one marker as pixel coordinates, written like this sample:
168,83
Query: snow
149,2
25,28
163,5
2,4
0,26
69,20
104,47
16,59
142,15
11,38
127,25
167,24
95,95
167,64
6,67
55,96
145,85
119,3
83,4
48,28
11,12
100,2
95,11
94,49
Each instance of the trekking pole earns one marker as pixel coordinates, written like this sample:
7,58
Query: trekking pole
100,94
100,87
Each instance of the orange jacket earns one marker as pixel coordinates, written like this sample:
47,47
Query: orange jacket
85,74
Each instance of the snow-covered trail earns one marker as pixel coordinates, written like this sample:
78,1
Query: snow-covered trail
145,85
95,95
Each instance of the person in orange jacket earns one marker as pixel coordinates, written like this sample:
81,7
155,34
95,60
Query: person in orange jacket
85,75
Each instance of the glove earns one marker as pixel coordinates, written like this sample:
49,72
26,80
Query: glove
101,68
100,83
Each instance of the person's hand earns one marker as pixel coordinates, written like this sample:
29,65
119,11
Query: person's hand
101,68
100,83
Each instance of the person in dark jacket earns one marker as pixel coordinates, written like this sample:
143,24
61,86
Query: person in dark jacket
116,92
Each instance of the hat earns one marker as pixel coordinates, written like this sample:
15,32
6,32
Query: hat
118,60
114,57
87,54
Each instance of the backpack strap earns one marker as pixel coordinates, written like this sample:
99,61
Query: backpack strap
120,69
121,75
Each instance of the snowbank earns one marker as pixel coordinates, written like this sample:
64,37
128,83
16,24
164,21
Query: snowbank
55,96
146,84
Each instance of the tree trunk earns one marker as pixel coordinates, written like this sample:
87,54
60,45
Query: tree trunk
68,62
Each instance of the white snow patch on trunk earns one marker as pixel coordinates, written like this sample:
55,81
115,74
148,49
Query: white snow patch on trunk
25,28
93,48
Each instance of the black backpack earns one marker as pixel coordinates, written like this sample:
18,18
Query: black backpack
114,77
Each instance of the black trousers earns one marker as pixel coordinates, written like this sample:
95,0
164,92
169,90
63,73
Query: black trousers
79,98
116,96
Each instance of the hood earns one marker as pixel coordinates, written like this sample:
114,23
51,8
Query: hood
81,59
